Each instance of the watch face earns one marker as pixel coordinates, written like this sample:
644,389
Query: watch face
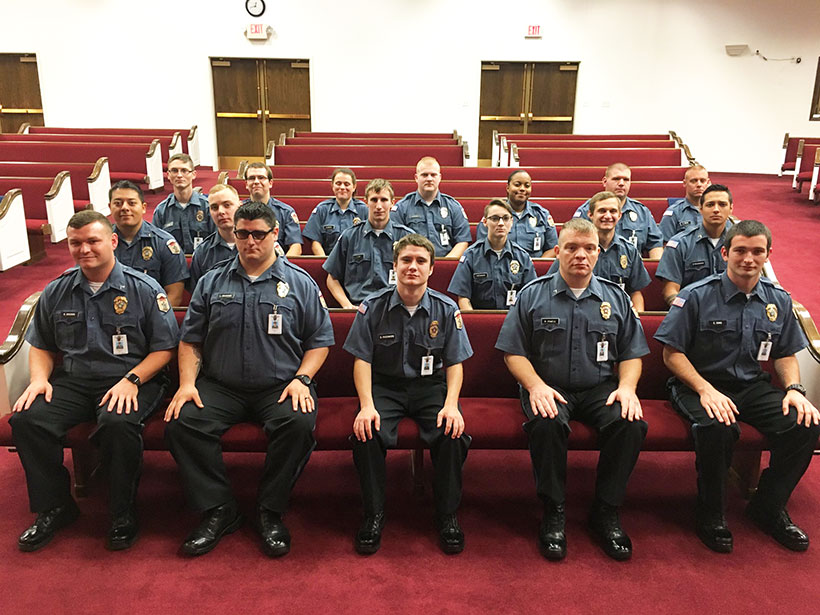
255,7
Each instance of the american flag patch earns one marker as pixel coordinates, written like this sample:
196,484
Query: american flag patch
362,308
679,301
461,259
668,212
671,244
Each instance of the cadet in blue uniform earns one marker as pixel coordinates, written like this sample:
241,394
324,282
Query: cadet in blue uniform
433,214
409,343
223,201
716,334
684,213
258,178
696,254
533,227
143,246
184,213
492,271
333,216
114,331
636,224
361,262
618,261
255,334
578,333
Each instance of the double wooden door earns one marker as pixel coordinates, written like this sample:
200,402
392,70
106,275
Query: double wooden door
19,91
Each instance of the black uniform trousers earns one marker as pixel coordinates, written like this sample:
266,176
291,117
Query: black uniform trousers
760,405
620,442
420,399
39,434
195,442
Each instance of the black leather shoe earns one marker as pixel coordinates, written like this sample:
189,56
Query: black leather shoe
450,536
123,532
606,526
369,537
713,531
275,536
779,526
46,525
552,539
215,524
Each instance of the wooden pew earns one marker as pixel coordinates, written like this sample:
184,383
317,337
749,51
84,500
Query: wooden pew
14,247
447,155
168,145
500,140
508,142
376,135
48,203
374,141
791,145
530,156
807,169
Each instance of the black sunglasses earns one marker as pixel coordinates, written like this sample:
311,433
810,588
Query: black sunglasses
243,234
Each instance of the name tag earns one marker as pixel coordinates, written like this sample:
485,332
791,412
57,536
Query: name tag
511,297
697,263
226,295
479,276
717,323
274,324
358,258
387,337
391,277
549,321
119,344
328,227
68,314
764,351
427,365
536,243
197,241
444,237
603,352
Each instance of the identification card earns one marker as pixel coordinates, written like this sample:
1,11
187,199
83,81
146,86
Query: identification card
764,351
444,237
274,324
197,241
120,344
603,352
633,239
427,365
511,297
536,243
391,277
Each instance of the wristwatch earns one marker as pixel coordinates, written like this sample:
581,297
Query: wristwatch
304,379
797,387
133,378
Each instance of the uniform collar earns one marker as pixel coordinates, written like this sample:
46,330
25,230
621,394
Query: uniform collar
115,279
528,208
629,205
146,230
594,288
701,233
388,230
419,200
395,300
274,271
486,247
729,290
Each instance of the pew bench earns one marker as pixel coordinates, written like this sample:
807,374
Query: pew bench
48,203
14,244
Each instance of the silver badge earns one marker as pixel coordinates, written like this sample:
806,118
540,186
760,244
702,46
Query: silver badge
444,212
633,216
282,289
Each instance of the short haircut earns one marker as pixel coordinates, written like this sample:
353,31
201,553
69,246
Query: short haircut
125,184
497,203
414,239
716,188
426,160
695,167
216,188
514,173
345,171
259,165
377,185
582,226
748,228
254,210
184,158
89,216
620,166
602,196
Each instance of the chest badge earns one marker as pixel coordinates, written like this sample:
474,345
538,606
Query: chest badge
533,221
433,330
120,303
444,212
357,220
515,267
282,289
606,310
147,253
771,312
633,216
200,216
624,261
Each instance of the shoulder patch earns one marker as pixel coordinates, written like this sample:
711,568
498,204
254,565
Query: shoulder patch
679,301
162,302
550,221
294,217
362,309
173,247
672,243
461,259
459,322
669,212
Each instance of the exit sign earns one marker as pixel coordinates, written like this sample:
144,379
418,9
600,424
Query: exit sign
533,32
257,32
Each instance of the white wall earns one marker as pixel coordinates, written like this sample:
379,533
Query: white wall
646,65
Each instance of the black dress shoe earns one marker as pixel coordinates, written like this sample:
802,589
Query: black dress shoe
552,539
779,526
606,526
450,536
369,537
123,532
275,536
215,524
713,531
46,525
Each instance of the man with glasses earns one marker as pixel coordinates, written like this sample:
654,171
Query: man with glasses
258,178
492,271
184,213
255,334
223,201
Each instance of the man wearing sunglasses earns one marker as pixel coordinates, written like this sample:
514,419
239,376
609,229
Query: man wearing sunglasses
184,213
255,334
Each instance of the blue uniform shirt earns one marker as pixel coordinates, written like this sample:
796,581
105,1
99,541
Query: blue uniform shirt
720,331
328,221
230,317
620,263
190,225
69,319
679,216
559,334
211,251
533,230
155,252
636,224
362,260
689,256
443,222
386,336
289,231
484,277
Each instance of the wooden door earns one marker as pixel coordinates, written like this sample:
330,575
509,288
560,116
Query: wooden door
19,91
502,103
552,97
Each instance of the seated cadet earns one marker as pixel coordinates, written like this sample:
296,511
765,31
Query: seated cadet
223,201
113,330
715,336
636,223
333,216
255,334
361,262
533,227
142,245
258,178
409,343
433,214
696,253
618,260
578,333
684,213
184,213
493,270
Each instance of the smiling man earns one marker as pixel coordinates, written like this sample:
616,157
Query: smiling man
259,180
332,217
